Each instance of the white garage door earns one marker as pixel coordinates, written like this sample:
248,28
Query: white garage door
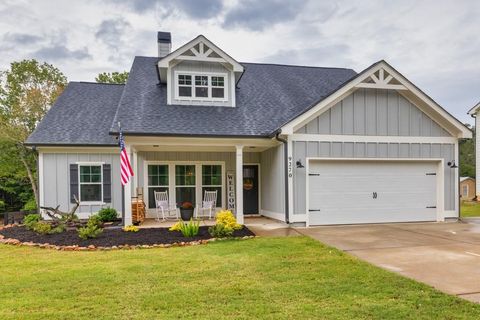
348,192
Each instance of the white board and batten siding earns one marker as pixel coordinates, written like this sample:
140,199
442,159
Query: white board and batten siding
367,125
55,182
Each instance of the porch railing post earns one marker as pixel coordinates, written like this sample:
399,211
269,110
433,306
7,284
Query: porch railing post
239,185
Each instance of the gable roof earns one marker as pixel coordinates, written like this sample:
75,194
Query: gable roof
411,92
462,179
267,96
82,115
474,109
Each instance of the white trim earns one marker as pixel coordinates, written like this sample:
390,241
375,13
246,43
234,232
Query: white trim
290,172
73,149
171,180
239,183
450,214
273,215
201,141
447,121
175,55
378,139
457,180
381,86
41,184
135,171
209,86
90,164
441,214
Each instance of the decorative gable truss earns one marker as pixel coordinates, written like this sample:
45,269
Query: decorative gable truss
199,49
381,79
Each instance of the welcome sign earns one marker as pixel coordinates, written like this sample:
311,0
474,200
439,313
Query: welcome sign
231,190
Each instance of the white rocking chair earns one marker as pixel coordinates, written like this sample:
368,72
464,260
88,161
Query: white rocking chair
208,205
163,207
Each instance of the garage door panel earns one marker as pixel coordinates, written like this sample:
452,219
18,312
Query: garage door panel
371,192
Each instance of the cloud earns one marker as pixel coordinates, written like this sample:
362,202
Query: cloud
21,38
61,52
256,15
196,9
111,31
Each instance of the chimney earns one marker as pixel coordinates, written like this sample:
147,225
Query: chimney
164,43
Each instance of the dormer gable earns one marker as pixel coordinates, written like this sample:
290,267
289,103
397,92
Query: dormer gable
200,73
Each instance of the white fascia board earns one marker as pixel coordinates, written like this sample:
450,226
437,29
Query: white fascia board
352,85
200,141
376,139
164,62
74,149
473,111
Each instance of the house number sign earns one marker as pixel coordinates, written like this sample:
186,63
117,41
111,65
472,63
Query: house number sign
230,190
290,167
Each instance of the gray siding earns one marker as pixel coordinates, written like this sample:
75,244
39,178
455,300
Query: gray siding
227,157
302,150
208,67
273,180
56,180
374,112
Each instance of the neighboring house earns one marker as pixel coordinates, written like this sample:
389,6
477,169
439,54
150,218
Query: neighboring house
305,145
467,188
475,113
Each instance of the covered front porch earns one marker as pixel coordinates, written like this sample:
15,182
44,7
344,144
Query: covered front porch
186,168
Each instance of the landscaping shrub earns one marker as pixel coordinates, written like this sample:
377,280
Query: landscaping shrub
220,231
30,220
176,227
131,229
92,229
30,205
108,214
42,227
227,218
190,229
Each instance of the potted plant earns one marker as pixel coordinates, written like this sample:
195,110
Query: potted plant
186,210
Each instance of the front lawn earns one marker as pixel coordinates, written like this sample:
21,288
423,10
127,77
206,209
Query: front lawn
470,209
273,278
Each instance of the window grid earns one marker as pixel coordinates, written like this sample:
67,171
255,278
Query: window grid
90,183
203,86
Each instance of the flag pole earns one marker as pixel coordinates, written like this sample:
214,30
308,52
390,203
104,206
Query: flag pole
123,187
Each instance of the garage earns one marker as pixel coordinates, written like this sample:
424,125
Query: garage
372,191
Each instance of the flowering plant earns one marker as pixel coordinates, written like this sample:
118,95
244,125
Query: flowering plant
130,229
185,205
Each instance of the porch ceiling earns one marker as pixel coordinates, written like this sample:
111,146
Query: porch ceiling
199,144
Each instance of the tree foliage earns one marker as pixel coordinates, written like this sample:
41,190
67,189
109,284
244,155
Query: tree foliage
112,77
467,156
27,90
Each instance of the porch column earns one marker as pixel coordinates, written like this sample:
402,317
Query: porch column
127,215
239,184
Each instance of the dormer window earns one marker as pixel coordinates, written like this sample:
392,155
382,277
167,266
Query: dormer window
204,87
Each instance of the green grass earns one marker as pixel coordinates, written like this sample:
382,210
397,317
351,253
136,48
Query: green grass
470,209
268,278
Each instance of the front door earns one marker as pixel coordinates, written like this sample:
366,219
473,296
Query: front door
250,189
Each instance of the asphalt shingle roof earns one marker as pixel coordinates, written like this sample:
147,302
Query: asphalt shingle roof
82,115
267,96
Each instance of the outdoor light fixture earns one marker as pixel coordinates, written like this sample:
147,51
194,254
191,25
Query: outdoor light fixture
299,164
452,164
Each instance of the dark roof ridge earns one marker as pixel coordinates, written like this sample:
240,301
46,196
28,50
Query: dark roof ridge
94,82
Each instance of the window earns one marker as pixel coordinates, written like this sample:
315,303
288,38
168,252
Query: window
218,90
157,181
465,190
184,85
204,87
212,180
185,183
90,183
201,86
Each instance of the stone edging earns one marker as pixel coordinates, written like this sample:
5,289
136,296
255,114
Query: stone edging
17,242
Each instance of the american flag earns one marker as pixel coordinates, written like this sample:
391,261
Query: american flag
125,166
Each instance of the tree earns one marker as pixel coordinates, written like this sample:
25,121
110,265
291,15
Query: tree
112,77
467,156
27,91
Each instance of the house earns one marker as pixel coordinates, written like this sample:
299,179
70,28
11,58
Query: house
304,145
467,188
474,113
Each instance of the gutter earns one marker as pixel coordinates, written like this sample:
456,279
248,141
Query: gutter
285,151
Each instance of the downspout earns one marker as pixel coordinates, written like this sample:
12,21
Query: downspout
285,151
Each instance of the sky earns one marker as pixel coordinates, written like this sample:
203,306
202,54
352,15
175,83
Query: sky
435,44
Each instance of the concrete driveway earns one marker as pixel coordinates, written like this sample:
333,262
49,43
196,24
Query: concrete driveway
444,255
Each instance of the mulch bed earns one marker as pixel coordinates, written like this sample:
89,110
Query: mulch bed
114,237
